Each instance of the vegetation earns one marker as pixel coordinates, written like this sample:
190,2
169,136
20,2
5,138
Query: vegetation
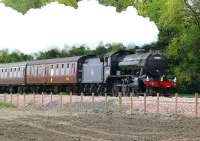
177,20
6,105
7,56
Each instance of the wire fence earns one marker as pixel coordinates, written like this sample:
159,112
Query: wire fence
130,104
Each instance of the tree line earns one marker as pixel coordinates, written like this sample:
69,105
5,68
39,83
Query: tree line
179,39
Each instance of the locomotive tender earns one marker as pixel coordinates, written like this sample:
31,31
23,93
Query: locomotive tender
123,70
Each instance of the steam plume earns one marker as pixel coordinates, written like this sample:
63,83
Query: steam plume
56,25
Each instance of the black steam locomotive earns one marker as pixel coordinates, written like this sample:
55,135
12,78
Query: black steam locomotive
120,71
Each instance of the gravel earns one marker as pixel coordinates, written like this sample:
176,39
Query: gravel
167,105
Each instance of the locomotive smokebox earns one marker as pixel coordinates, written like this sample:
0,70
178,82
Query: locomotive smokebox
149,63
155,65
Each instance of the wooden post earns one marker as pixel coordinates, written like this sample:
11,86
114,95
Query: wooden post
82,102
5,97
196,104
24,99
106,102
61,101
11,98
93,102
176,103
17,100
42,98
51,97
34,98
131,102
70,102
158,103
120,101
145,102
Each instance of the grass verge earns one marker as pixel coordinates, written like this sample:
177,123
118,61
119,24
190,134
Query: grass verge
188,95
6,105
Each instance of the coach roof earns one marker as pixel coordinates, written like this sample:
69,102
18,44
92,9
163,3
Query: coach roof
55,60
17,64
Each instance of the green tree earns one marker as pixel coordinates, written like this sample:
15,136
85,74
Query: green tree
15,56
24,5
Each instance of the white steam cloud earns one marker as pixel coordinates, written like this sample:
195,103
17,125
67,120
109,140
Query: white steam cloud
57,25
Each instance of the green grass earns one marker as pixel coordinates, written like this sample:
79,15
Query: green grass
6,105
188,95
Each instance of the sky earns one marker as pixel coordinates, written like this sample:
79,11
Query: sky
59,25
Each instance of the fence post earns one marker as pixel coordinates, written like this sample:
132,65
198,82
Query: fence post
34,98
42,98
17,100
158,103
70,102
61,101
11,98
5,97
196,104
106,102
145,102
93,102
176,103
81,101
120,101
132,102
51,97
24,99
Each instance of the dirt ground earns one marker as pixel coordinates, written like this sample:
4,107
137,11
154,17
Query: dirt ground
38,125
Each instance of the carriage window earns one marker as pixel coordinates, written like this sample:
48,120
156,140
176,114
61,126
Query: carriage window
32,68
37,69
74,68
6,73
57,70
17,73
22,72
52,70
62,70
1,73
68,69
43,70
11,73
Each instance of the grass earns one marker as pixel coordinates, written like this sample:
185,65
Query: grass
188,95
6,105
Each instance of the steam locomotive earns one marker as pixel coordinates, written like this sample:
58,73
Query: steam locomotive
120,71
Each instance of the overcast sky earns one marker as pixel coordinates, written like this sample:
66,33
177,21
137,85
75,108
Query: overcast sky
57,25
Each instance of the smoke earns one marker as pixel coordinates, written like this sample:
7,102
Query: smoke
57,25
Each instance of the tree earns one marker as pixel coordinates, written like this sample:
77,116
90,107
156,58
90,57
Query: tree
24,5
15,56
